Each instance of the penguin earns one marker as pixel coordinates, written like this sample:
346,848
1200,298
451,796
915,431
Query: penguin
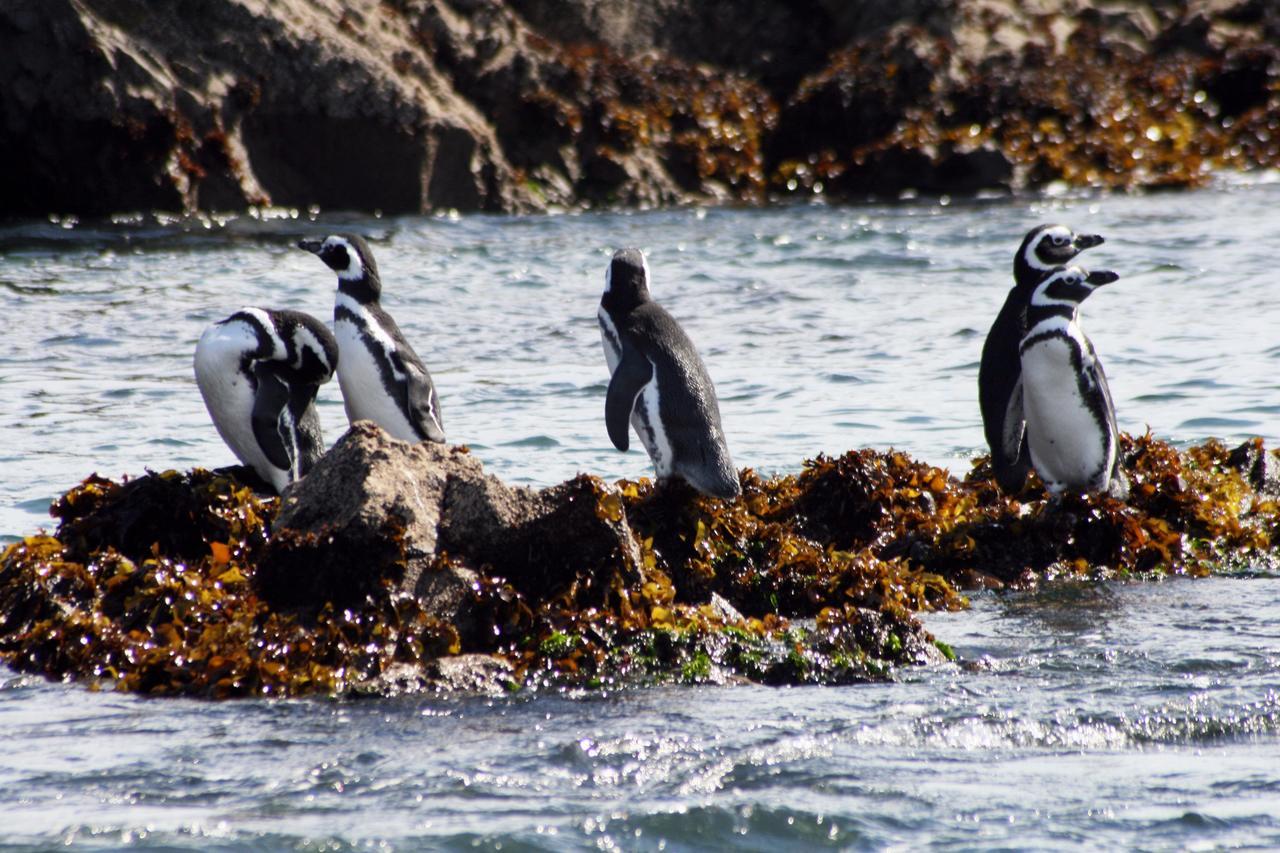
381,377
1044,249
659,385
1071,420
259,371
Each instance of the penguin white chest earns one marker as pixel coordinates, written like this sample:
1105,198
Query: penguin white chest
229,396
1070,449
363,350
646,420
609,340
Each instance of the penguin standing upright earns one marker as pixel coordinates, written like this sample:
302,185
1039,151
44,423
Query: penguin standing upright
659,384
259,372
382,378
1071,421
1045,248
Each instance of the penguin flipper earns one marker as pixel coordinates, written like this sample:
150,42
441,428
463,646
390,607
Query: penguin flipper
1118,486
269,401
1000,379
633,372
1100,378
424,405
1011,459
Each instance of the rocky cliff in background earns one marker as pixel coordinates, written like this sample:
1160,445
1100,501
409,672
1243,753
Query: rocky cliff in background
505,105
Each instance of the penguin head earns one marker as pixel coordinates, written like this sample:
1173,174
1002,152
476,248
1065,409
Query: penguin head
626,281
348,255
1069,286
260,323
312,351
1049,246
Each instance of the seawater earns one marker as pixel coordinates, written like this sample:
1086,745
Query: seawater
1109,716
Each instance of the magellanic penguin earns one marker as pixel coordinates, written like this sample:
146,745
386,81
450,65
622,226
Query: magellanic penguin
1071,421
1044,249
382,378
259,371
659,384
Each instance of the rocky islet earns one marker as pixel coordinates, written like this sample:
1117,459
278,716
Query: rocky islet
397,567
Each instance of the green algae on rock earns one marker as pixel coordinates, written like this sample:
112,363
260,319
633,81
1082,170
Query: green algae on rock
191,584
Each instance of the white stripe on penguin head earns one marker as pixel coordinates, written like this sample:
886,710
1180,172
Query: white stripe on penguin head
1059,235
279,351
355,266
304,340
1071,275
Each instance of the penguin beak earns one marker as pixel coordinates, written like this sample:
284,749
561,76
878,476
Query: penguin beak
1100,277
1087,241
312,246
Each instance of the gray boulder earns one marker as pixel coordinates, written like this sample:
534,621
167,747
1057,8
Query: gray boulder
378,513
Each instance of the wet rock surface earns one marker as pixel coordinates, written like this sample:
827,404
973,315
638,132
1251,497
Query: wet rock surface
509,105
399,568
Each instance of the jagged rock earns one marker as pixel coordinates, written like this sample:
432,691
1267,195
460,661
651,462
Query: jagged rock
123,105
520,534
1260,467
775,41
485,675
366,513
377,511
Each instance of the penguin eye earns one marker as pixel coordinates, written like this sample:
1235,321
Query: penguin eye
1058,240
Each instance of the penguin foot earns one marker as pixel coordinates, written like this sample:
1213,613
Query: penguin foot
249,477
1118,488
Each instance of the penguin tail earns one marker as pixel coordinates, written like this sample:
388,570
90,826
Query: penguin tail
718,483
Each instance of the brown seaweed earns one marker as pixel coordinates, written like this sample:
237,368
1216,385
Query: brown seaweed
815,577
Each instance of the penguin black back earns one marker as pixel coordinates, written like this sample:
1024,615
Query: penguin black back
659,385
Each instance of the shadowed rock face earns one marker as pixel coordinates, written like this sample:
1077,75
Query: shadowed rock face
219,104
509,105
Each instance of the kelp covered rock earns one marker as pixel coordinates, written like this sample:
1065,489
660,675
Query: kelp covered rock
1005,95
418,105
397,567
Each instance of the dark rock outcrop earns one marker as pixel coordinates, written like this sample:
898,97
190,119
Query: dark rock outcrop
506,105
376,510
221,104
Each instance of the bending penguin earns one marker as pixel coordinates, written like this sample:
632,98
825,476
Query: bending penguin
259,371
659,385
1071,421
382,378
1000,394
